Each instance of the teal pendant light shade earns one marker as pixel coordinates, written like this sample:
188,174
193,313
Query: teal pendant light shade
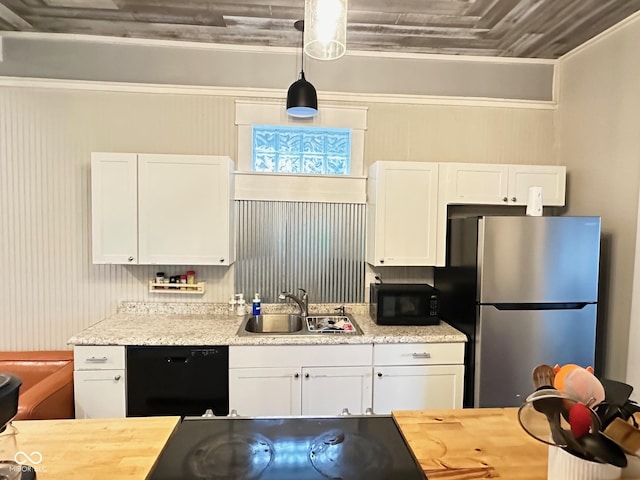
302,99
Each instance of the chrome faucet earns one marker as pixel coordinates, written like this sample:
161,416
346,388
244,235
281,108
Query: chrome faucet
303,302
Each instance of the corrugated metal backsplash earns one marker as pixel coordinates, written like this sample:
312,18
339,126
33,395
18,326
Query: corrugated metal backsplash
290,245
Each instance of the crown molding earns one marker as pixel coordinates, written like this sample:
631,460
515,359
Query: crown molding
267,93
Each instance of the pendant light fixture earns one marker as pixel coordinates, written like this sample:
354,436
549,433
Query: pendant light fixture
326,25
302,99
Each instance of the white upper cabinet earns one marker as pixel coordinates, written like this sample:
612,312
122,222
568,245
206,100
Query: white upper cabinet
162,209
552,179
114,196
184,206
490,184
402,201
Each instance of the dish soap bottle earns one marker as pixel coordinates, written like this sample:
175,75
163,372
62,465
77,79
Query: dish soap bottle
255,308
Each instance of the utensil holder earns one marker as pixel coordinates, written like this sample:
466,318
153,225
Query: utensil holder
633,467
565,466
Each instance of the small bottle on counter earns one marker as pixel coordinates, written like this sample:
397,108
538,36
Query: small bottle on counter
255,305
232,305
240,305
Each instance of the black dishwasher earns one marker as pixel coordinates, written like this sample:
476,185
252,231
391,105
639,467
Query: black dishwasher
177,380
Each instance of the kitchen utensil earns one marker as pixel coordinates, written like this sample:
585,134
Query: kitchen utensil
616,402
578,415
544,416
541,417
9,389
548,405
561,373
584,386
543,376
9,469
624,434
580,420
603,449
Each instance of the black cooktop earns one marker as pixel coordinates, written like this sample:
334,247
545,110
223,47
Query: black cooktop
295,448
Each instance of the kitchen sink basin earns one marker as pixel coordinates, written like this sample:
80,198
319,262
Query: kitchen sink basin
294,324
274,323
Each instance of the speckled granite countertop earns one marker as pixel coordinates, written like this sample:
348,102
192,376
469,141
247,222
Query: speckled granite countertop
211,324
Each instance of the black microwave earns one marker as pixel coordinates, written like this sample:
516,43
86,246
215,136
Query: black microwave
403,304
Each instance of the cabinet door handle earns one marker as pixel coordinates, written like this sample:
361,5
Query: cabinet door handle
96,360
222,260
296,375
306,375
505,199
380,374
513,199
130,259
421,355
117,378
382,260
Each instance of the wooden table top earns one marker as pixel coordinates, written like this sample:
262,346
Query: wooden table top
460,444
96,449
473,443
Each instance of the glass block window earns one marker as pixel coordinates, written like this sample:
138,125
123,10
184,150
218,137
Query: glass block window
304,150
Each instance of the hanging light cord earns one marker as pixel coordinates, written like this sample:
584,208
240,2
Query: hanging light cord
302,52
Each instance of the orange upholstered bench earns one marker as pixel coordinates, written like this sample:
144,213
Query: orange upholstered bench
47,383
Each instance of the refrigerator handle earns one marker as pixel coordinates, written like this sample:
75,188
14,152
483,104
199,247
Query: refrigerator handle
539,306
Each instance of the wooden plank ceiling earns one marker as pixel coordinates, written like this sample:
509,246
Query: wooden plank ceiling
506,28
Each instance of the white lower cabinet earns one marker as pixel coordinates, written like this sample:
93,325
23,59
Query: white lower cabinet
300,379
265,391
329,390
417,388
99,393
417,376
99,382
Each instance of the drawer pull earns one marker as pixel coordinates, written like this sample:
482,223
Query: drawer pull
96,360
117,378
421,355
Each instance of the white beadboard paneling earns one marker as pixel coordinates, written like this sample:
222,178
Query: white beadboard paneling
46,139
440,133
51,289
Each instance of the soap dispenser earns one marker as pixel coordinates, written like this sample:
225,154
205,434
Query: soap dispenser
255,306
232,305
240,305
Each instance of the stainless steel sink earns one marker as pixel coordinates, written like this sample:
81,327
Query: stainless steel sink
274,323
294,324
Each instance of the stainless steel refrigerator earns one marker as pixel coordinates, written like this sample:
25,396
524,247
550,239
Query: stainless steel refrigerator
524,290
